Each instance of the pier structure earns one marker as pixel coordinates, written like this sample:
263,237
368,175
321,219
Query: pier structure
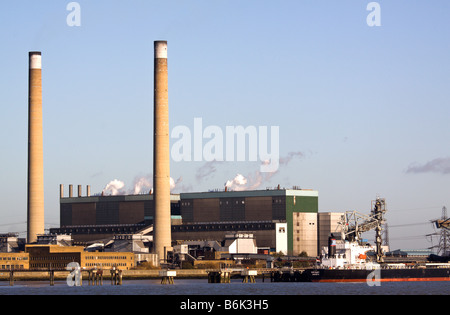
249,275
116,276
167,276
95,277
224,275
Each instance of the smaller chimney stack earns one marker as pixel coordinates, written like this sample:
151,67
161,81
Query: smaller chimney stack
70,191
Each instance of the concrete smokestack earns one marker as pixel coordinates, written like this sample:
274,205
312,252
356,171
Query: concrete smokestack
35,197
162,236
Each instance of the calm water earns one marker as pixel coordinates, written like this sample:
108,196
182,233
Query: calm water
236,287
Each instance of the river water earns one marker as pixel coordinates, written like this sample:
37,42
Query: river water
192,287
199,296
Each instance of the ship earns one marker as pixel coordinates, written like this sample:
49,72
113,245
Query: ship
351,263
351,259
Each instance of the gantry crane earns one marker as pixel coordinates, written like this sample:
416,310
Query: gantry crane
353,224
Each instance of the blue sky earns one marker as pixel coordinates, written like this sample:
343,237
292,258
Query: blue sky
365,109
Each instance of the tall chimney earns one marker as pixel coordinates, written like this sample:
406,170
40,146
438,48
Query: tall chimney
162,238
35,194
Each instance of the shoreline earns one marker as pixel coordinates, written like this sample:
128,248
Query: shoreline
20,275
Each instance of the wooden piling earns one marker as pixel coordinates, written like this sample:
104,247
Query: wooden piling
249,276
167,276
116,277
219,277
52,277
11,278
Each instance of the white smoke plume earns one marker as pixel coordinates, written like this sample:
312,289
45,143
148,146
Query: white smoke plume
174,184
114,188
238,183
255,180
141,185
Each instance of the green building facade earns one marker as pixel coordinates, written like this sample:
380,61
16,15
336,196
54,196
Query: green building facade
256,205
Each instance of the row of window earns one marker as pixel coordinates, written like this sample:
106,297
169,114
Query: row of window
310,223
61,266
237,202
71,258
106,257
102,230
226,202
106,265
8,267
14,258
221,227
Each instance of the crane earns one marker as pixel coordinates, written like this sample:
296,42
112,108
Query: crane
353,224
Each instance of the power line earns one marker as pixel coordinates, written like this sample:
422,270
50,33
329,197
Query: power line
14,223
409,224
415,209
407,238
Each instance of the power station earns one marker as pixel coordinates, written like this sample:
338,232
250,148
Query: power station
282,220
272,216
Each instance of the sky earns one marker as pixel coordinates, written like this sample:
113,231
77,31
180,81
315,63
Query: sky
362,111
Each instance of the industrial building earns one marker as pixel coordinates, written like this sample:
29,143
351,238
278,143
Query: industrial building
132,210
281,220
58,257
268,207
12,260
11,243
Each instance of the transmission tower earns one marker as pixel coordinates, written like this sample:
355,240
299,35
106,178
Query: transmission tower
443,248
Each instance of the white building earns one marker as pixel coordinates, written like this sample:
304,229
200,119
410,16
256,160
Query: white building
241,243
